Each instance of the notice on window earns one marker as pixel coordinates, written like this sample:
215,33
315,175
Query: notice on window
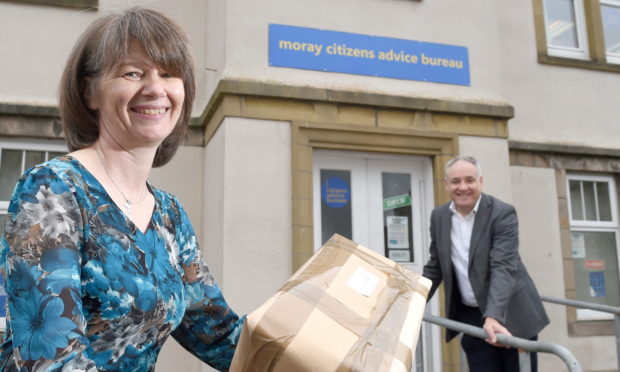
597,284
399,255
397,232
594,264
578,245
336,192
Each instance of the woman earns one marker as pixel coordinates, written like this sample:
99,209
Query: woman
101,266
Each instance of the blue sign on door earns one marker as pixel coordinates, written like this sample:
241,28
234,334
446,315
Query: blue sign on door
334,51
336,192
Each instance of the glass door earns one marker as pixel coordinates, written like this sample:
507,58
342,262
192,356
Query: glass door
397,206
339,191
382,202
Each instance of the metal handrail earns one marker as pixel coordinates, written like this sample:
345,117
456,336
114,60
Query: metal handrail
590,306
582,304
516,342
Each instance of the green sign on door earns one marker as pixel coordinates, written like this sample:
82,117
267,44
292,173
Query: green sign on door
396,201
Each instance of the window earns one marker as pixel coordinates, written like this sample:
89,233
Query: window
80,4
579,33
594,232
610,14
565,28
15,158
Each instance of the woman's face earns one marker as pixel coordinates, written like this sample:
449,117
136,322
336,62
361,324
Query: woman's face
138,103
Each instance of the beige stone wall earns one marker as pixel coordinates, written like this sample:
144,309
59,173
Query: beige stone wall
35,41
554,104
254,190
535,199
182,177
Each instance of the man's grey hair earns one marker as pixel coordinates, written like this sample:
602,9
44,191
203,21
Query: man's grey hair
467,158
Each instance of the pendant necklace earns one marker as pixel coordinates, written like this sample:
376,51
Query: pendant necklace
127,204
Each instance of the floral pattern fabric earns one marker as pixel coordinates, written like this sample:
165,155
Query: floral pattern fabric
88,291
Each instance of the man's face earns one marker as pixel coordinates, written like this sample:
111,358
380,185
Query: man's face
464,185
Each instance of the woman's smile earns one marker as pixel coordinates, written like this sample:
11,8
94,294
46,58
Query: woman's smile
149,111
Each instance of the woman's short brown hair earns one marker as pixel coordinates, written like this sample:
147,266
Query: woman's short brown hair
103,45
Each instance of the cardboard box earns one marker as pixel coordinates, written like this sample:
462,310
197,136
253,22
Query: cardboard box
346,309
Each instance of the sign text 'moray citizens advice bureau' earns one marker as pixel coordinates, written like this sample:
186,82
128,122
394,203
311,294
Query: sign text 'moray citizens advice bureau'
334,51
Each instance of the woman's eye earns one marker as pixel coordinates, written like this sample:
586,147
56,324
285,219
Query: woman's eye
133,74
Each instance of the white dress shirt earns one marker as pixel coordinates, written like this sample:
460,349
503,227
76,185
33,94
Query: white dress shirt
460,235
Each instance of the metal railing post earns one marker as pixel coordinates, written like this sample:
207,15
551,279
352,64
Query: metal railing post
525,361
598,307
463,358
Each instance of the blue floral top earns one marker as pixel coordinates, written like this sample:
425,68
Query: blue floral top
89,291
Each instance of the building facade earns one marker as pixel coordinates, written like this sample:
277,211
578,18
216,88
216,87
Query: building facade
283,151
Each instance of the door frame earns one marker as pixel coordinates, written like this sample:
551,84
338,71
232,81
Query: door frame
306,137
365,181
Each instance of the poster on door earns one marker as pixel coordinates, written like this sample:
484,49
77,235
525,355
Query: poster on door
398,238
397,232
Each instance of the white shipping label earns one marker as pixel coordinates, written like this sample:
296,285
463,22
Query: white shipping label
363,282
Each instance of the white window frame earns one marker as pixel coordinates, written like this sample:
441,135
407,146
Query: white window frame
613,224
47,146
595,226
610,57
582,52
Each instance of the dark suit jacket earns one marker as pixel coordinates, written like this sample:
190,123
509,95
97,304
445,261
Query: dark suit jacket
501,284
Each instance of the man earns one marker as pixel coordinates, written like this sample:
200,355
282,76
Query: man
474,251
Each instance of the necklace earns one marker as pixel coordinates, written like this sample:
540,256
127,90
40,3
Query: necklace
127,204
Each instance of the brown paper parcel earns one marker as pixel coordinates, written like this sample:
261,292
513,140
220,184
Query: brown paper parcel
346,309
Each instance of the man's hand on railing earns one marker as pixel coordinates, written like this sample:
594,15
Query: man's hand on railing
519,343
491,327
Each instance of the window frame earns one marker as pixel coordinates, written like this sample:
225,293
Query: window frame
613,224
594,36
615,57
46,146
596,226
580,25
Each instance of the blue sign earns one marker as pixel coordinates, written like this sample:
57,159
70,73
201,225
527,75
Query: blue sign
335,192
597,284
334,51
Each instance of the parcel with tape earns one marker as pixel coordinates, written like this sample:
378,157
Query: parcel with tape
346,309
